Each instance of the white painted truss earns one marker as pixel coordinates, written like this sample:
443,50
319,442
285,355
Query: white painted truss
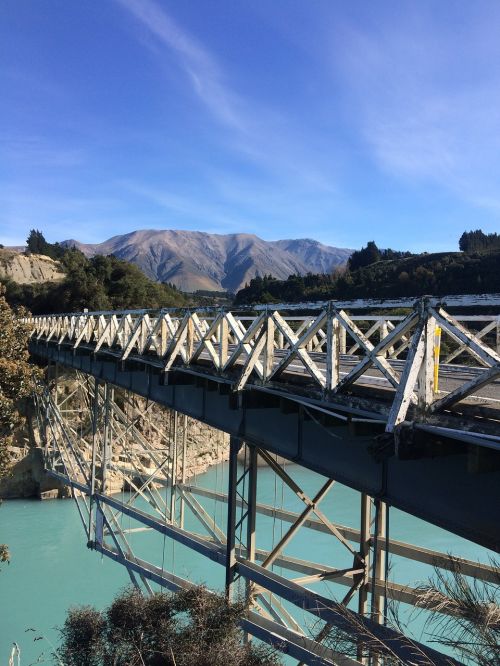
426,360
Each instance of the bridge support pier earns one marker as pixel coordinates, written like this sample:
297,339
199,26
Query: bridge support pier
234,448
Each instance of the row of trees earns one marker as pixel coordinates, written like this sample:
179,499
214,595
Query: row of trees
371,254
478,241
470,242
439,274
375,273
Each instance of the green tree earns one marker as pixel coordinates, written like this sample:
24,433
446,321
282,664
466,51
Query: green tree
17,377
17,382
36,242
364,257
478,241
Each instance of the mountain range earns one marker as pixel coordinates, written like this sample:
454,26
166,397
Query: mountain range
194,260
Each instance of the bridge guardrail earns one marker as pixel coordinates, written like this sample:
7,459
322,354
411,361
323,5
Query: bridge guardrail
332,348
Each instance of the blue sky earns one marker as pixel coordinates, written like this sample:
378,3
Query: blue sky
340,121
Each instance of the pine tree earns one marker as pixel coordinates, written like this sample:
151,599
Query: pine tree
36,242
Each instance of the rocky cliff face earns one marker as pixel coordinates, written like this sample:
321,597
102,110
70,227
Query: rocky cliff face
28,478
205,446
26,269
195,260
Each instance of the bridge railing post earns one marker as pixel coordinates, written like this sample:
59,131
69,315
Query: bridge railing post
333,348
426,376
269,347
223,335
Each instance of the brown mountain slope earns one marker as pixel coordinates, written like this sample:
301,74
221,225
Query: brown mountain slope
196,260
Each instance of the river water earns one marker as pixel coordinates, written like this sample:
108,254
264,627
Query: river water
52,570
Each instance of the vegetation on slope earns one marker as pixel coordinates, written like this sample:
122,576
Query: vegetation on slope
17,382
17,378
100,283
372,273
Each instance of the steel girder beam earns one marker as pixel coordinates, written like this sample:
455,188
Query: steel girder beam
232,557
450,494
318,605
287,589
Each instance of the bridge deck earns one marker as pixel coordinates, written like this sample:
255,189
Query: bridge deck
368,399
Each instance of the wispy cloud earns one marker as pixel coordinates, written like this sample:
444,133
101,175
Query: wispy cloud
198,63
426,95
258,133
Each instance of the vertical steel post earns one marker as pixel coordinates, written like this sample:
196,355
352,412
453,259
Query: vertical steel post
183,478
364,551
107,445
173,477
379,561
95,423
56,381
46,433
234,447
379,573
49,449
251,501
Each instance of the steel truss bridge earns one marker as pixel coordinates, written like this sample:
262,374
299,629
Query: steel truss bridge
397,400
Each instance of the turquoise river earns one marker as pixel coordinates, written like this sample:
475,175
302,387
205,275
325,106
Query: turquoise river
52,569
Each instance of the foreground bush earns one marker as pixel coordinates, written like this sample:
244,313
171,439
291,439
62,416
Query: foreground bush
182,629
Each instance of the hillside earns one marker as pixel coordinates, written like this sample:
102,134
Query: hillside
98,283
438,274
194,260
28,269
